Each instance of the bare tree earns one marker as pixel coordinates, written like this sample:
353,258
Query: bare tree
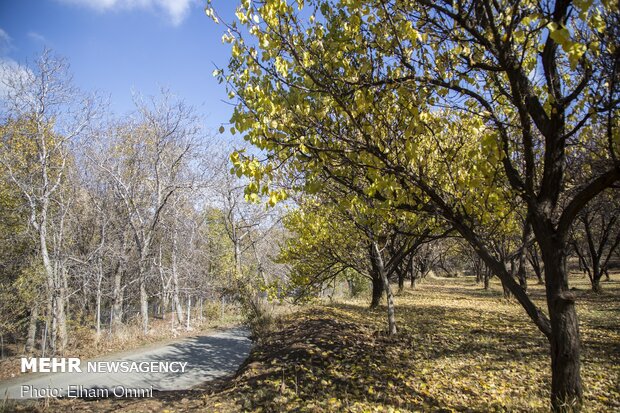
145,164
45,115
596,236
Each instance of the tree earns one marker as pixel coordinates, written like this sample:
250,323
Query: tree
430,100
146,163
596,236
322,246
245,224
43,116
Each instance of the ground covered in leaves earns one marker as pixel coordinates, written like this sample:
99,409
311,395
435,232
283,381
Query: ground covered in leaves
459,348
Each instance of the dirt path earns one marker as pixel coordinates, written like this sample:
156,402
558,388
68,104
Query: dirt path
202,358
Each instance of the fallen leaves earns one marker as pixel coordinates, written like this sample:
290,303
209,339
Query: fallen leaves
459,349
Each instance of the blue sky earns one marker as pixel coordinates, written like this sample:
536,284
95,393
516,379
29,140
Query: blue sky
115,46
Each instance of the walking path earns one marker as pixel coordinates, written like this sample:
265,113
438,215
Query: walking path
202,358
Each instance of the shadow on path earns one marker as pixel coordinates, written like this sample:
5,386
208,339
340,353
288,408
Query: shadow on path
204,358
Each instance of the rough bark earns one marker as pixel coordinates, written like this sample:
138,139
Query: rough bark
32,329
118,289
414,274
377,289
566,387
144,304
61,299
521,272
176,302
117,299
380,268
98,296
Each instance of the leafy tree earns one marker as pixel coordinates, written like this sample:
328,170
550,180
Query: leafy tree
323,245
449,108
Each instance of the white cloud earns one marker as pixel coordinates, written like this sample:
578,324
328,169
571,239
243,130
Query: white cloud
176,10
11,72
37,37
5,42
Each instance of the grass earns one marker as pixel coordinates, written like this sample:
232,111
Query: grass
459,348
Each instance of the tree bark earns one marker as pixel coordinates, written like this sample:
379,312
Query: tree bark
98,296
521,272
53,285
61,311
189,308
176,302
487,278
377,289
117,299
32,329
118,289
535,262
380,268
505,288
566,386
144,304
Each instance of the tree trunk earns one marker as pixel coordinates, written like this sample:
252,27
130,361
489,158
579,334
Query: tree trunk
597,274
566,387
98,296
521,273
176,302
535,262
53,282
538,272
189,307
487,278
44,338
237,249
144,305
54,327
377,289
117,301
62,337
46,334
32,330
505,289
390,306
414,274
117,297
380,268
401,281
175,278
144,248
